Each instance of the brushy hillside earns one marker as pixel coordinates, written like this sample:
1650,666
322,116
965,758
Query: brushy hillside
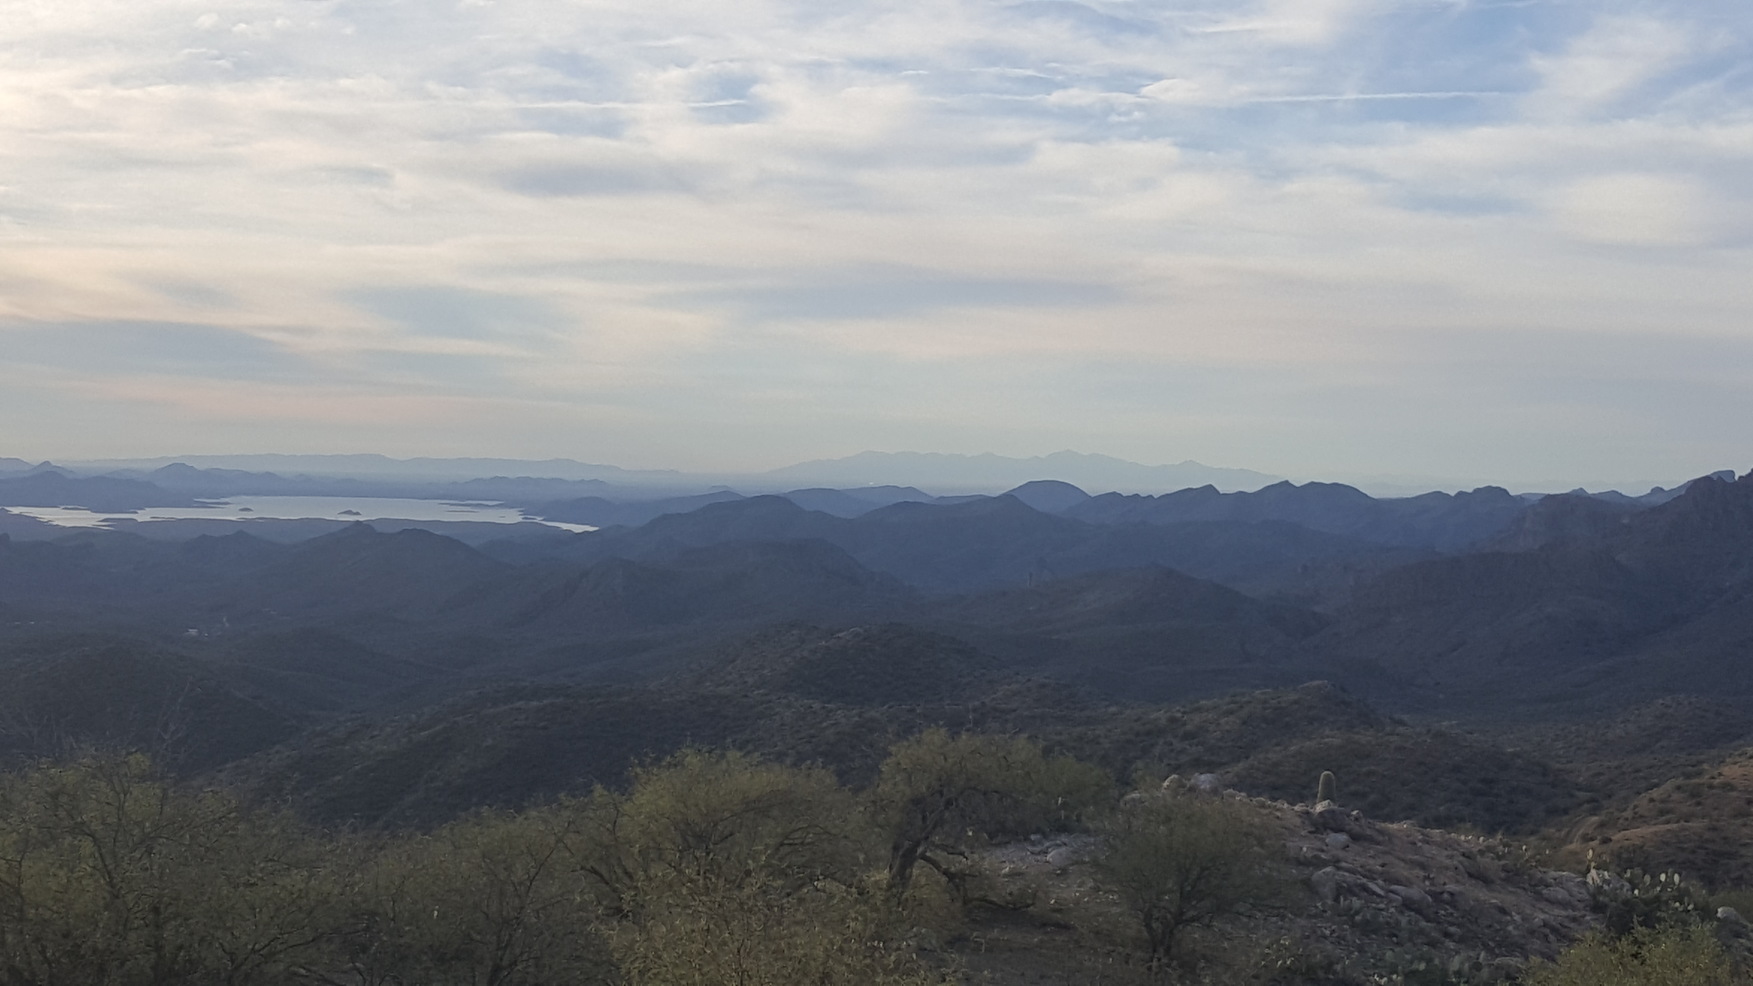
1699,825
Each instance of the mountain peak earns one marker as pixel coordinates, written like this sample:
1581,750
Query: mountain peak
1050,496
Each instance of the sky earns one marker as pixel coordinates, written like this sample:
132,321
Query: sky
1497,241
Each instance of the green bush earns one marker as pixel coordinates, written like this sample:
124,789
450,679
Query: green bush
1178,861
489,900
1670,955
756,933
713,819
727,871
111,876
939,795
713,868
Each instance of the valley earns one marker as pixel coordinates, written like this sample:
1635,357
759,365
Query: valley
1568,674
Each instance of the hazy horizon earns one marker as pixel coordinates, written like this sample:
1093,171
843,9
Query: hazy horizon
950,466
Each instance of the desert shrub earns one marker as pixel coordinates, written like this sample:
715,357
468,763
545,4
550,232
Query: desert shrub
1669,955
720,868
488,900
109,874
939,795
1181,860
713,868
715,819
762,933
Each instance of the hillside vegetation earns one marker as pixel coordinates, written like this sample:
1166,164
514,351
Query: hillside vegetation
1506,689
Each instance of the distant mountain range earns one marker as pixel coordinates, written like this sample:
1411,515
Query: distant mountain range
939,473
383,468
992,473
531,480
1419,600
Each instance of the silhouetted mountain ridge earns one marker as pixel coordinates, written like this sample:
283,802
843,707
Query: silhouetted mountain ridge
51,488
991,542
1554,622
1443,521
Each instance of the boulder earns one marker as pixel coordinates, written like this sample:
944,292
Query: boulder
1603,882
1567,888
1329,817
1325,884
1414,899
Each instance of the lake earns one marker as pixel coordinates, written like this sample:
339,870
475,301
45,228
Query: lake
361,508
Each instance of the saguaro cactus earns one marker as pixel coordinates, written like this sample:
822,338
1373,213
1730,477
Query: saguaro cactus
1327,789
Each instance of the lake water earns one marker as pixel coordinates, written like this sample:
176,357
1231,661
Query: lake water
362,508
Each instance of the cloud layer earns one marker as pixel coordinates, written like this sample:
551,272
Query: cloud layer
1493,240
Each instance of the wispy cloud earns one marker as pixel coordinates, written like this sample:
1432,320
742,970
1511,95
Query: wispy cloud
628,213
1613,59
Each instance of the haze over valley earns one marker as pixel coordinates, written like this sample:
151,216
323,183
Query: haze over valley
1481,607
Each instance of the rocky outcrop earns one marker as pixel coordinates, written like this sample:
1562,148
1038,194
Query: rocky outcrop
1367,902
1426,894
